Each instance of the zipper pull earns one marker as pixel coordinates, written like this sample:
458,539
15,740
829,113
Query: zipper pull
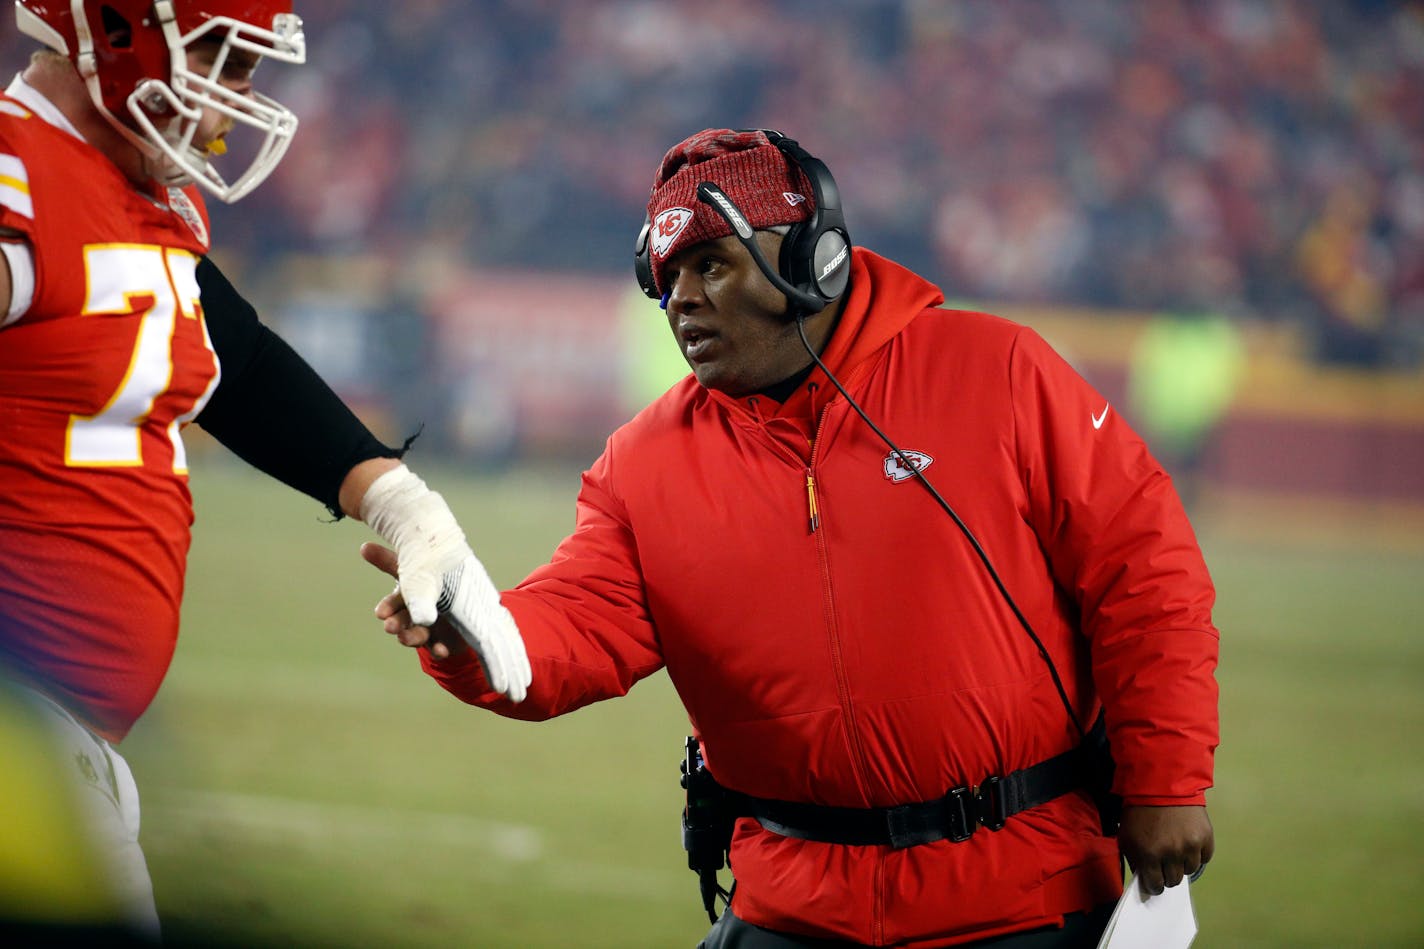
811,500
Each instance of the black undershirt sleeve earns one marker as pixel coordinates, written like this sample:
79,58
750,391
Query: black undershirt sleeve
271,408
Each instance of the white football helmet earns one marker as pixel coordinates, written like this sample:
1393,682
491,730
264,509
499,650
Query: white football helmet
133,56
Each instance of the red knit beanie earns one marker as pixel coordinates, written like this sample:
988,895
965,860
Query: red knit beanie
748,168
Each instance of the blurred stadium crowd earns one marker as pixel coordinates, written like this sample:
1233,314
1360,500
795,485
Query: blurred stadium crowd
1259,158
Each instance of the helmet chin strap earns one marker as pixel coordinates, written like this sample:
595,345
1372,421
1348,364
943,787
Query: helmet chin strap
151,162
165,171
154,163
179,137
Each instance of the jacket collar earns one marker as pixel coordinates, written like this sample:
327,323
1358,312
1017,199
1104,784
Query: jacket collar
883,298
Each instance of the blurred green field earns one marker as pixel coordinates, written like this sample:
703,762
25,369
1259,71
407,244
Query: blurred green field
305,785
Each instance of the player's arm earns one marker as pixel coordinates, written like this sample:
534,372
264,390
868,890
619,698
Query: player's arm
4,281
274,411
17,274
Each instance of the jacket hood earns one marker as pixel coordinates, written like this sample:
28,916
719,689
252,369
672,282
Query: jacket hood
883,298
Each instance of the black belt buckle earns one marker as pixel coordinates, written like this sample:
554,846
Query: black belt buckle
990,803
961,819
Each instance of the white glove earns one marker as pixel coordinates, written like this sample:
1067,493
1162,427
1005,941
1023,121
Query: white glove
471,603
440,574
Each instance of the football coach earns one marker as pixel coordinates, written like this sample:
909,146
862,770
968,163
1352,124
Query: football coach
905,568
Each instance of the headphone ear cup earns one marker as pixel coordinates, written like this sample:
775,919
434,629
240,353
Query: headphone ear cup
643,261
830,265
816,263
794,262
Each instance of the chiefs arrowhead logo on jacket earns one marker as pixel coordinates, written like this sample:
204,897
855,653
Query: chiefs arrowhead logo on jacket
895,469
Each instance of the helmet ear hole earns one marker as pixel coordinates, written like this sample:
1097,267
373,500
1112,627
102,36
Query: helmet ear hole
117,31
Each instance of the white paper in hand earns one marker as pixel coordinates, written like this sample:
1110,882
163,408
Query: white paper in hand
1164,921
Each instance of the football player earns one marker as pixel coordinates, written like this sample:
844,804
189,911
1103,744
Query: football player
116,330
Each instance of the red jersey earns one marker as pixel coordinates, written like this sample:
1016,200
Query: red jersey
97,377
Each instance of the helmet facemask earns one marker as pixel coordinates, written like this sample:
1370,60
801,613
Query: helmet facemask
178,159
144,86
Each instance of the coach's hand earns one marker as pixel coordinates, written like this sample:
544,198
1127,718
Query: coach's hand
1165,844
439,637
473,617
439,573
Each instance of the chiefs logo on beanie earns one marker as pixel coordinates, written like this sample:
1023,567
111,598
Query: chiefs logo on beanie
748,168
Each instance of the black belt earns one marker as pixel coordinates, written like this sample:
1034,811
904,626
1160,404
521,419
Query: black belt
955,817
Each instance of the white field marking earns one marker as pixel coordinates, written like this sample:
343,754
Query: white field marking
320,824
319,820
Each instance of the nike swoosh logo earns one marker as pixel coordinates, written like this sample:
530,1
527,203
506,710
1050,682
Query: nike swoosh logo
1098,420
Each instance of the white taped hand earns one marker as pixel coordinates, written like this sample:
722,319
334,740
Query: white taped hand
418,524
438,573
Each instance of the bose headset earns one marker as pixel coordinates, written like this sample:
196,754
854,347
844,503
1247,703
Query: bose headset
815,254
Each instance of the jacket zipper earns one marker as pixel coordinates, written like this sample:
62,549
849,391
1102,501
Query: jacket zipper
857,750
842,687
811,500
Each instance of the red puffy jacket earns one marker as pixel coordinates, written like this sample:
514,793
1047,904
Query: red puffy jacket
870,661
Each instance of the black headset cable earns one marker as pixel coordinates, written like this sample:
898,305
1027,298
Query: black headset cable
964,528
